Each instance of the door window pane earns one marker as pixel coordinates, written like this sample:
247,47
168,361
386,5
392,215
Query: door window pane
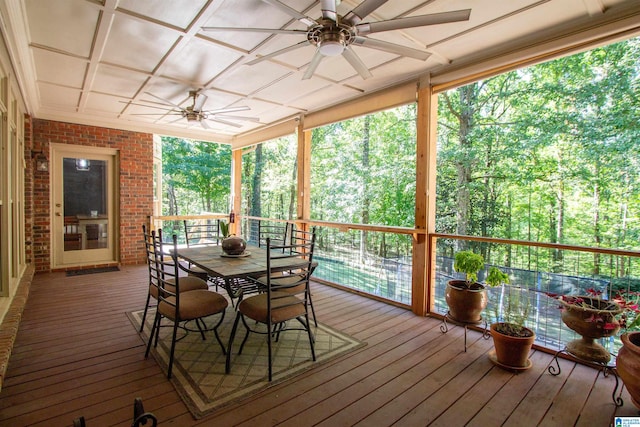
85,204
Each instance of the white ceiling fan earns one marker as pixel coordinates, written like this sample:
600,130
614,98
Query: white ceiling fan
333,34
195,114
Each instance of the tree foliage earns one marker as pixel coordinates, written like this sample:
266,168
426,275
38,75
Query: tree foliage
269,179
547,153
197,175
363,170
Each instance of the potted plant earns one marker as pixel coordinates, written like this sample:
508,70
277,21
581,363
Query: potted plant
231,245
512,340
466,298
592,318
628,360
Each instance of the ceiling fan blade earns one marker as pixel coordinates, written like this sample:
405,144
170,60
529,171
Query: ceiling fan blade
166,101
356,63
204,124
226,110
278,52
328,8
199,101
241,118
156,114
225,122
315,61
363,9
257,30
414,21
177,120
392,48
149,106
292,12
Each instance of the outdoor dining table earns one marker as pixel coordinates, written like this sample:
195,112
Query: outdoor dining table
234,271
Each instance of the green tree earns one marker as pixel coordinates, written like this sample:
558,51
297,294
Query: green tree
546,153
197,175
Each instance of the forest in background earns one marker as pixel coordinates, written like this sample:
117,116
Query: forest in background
547,153
196,176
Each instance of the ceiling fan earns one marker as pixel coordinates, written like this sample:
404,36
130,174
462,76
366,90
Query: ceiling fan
194,112
333,34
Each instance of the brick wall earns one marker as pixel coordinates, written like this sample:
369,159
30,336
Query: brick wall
135,180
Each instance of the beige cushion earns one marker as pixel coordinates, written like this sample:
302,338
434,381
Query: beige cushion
188,283
194,304
255,307
283,281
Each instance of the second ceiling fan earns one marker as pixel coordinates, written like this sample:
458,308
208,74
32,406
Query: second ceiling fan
333,34
195,113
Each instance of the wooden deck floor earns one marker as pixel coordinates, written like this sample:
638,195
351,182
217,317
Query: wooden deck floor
77,354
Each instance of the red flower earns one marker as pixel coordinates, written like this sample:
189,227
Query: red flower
593,292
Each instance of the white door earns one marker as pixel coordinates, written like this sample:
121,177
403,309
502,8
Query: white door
84,204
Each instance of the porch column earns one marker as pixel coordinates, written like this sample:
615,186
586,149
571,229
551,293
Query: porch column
304,174
236,189
426,129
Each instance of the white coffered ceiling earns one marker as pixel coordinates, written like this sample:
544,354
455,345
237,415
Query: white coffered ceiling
87,61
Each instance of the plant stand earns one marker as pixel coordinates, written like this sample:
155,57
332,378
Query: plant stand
444,328
604,367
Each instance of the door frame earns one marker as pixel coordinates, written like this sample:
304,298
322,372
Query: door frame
59,257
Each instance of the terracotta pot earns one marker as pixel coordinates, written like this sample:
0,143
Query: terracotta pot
465,304
234,245
590,323
512,352
628,365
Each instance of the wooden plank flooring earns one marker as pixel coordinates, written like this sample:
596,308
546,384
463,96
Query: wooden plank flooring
76,353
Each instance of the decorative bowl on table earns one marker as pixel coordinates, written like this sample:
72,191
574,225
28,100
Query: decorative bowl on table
234,245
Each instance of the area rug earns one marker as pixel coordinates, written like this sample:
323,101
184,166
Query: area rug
199,366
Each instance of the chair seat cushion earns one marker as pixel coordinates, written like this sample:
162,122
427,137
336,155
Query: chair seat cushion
194,304
284,307
292,284
188,283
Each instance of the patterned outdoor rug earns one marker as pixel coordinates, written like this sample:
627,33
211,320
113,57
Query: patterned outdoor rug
199,366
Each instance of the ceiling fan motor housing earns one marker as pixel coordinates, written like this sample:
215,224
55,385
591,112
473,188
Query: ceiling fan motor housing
192,116
331,37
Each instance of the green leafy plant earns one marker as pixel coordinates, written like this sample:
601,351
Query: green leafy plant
496,277
511,307
224,229
469,263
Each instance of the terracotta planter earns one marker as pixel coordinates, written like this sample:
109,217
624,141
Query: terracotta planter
234,245
628,365
465,305
512,352
592,324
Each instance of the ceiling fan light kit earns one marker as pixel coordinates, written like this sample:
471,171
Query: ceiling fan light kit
332,34
331,47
